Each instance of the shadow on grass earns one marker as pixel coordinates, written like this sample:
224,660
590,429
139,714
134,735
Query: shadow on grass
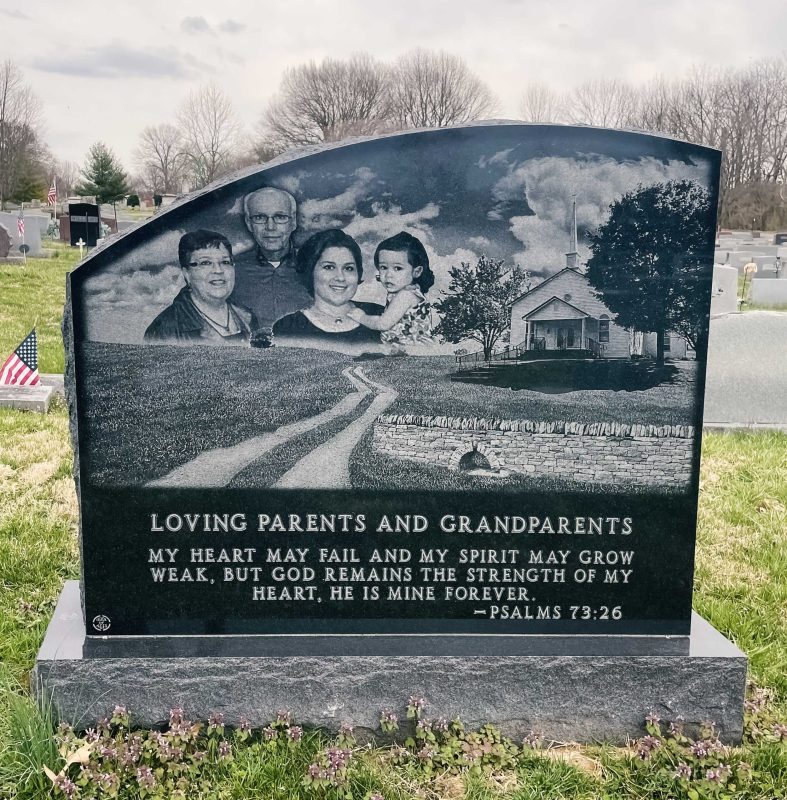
561,376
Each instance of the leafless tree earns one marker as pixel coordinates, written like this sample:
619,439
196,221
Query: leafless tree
608,103
540,103
160,159
210,130
326,102
434,89
67,175
20,121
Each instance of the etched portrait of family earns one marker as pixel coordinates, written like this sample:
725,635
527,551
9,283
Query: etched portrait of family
273,293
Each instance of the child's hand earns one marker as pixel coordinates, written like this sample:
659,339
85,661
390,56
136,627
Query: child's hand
356,314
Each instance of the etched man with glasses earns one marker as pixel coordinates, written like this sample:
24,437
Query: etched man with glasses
265,277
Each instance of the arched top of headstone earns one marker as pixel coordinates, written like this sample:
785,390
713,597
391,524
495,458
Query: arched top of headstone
502,189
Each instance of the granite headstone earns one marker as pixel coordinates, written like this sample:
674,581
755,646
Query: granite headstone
292,486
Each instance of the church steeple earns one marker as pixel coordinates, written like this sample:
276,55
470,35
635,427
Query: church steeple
572,257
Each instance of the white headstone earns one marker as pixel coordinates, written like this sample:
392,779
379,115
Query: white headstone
724,295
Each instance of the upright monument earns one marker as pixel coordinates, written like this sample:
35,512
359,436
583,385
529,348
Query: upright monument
462,462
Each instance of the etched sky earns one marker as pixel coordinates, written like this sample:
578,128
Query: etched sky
502,191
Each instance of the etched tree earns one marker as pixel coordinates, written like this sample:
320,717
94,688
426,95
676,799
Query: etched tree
478,303
652,261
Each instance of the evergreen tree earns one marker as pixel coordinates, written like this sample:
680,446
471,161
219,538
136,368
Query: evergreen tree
103,176
652,261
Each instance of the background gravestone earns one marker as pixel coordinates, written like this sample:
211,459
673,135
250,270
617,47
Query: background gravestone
32,233
5,242
359,514
83,223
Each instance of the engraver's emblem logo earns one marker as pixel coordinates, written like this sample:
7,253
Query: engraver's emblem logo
101,623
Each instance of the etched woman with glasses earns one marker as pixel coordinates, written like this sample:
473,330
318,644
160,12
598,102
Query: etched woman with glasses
201,312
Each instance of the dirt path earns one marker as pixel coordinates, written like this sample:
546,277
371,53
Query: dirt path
217,467
328,466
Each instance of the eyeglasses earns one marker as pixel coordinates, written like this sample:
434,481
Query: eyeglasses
207,263
263,219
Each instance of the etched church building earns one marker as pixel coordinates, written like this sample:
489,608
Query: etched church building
564,315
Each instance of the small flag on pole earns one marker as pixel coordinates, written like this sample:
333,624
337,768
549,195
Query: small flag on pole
51,196
21,367
20,222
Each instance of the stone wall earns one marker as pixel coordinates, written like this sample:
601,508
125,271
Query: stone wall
598,453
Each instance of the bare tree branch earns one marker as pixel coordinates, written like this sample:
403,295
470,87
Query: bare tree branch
431,89
210,130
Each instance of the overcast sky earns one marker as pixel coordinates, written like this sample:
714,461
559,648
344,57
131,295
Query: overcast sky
105,70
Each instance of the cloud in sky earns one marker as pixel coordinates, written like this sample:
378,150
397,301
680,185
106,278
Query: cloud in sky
548,184
15,14
118,60
199,25
193,25
231,26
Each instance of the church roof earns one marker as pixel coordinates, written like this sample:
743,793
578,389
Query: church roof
548,280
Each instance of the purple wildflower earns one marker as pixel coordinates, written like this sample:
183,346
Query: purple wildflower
175,715
683,771
269,733
653,718
416,702
533,740
92,735
120,711
700,749
108,781
66,785
198,756
314,770
345,729
779,730
646,745
244,724
225,749
295,733
426,753
283,716
440,724
713,776
424,725
145,777
215,721
107,751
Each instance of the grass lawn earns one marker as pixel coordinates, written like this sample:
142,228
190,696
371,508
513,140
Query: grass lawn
741,587
425,386
33,294
150,409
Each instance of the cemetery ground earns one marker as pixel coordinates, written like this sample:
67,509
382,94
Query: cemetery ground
741,587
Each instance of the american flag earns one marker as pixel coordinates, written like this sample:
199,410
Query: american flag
21,367
51,196
20,222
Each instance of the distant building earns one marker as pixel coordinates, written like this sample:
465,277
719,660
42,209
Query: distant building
564,313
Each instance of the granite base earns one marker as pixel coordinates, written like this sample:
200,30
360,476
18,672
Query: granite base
570,688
